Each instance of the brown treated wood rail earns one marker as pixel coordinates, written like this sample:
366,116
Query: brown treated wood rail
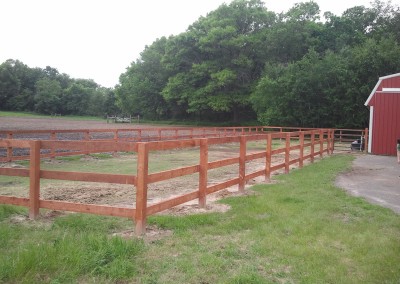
317,142
343,137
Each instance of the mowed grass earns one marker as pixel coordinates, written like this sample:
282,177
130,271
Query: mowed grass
36,115
301,229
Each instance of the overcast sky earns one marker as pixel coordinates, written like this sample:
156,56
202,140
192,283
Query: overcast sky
98,39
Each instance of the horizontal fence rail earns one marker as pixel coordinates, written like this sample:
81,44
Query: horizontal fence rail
342,137
317,142
345,137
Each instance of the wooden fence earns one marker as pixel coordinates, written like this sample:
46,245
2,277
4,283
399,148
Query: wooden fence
343,137
317,142
131,135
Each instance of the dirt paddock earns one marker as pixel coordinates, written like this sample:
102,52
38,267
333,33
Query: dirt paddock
21,123
124,195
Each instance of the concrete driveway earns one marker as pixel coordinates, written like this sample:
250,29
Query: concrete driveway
377,178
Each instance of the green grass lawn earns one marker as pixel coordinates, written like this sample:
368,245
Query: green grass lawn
301,229
36,115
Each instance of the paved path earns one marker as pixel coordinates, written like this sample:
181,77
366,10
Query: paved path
377,178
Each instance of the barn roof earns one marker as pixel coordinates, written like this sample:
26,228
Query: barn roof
377,86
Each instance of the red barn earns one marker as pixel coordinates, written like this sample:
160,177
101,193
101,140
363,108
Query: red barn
384,115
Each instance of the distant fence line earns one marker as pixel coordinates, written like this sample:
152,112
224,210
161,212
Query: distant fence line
317,142
116,119
342,137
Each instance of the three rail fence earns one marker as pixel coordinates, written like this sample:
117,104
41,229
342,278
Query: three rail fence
299,146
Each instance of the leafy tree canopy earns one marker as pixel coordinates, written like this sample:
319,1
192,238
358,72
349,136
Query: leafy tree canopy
238,63
47,91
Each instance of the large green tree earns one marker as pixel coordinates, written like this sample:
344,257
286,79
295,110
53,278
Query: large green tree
47,91
327,90
295,32
220,61
17,85
47,97
311,92
140,86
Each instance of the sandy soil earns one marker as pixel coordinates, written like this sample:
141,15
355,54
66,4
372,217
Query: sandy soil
124,195
21,123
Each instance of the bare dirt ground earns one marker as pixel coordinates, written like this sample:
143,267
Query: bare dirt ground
98,193
21,123
124,195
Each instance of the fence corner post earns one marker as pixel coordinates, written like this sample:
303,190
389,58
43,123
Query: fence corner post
203,172
141,189
34,179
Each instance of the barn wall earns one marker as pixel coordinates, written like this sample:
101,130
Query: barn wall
390,83
386,119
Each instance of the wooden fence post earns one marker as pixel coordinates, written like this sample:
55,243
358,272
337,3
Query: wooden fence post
287,152
328,141
203,172
87,139
312,145
331,140
116,138
159,135
34,179
53,150
242,163
141,188
301,157
268,158
9,149
321,143
366,140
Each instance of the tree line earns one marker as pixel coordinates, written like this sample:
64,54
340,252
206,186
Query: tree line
243,61
46,91
239,63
